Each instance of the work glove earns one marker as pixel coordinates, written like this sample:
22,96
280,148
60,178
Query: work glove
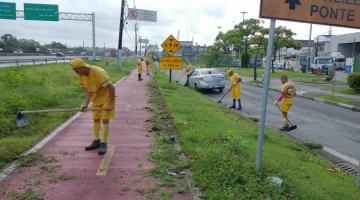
275,102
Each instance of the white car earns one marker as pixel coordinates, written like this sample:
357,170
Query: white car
207,79
18,51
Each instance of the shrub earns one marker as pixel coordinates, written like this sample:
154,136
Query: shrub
354,81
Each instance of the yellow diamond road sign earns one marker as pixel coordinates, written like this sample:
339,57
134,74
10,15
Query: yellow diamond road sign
171,62
171,45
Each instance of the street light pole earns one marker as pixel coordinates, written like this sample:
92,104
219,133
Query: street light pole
219,27
243,14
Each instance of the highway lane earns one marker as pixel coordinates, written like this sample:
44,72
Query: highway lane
9,61
331,126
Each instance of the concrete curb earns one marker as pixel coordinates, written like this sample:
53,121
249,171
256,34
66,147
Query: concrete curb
13,166
303,95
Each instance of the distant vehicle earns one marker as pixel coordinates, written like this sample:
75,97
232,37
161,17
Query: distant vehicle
207,79
322,64
83,54
1,49
339,60
18,51
59,54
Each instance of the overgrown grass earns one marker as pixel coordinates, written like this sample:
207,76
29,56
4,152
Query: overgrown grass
39,87
336,99
221,147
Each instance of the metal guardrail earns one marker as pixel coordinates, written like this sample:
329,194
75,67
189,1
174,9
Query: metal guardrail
18,62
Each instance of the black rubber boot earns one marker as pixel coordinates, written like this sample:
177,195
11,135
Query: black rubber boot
103,149
139,77
94,145
233,106
284,128
239,108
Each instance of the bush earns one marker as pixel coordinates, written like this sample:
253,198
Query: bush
354,81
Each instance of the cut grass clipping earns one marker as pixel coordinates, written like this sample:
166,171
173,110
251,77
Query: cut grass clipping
169,166
221,148
39,87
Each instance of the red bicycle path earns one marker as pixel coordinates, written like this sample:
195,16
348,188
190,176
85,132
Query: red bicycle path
125,175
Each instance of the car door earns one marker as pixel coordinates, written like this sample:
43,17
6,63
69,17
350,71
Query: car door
192,79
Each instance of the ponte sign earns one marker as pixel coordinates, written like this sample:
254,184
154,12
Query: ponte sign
344,13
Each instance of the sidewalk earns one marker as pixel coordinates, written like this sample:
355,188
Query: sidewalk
77,174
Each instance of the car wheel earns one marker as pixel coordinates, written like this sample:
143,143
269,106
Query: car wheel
196,87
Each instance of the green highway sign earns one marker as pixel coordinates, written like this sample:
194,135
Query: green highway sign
42,12
7,10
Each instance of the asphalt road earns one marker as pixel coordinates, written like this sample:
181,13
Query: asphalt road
7,61
331,126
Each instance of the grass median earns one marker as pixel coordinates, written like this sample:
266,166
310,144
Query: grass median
296,76
336,99
221,147
39,87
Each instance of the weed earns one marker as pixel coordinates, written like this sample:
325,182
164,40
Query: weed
48,169
29,194
164,195
59,178
313,146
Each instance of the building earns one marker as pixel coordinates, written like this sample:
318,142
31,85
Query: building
347,44
189,51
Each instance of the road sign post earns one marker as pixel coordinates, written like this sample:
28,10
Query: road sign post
358,177
171,46
7,10
265,95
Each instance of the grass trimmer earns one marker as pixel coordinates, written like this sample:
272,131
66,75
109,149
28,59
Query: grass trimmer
21,119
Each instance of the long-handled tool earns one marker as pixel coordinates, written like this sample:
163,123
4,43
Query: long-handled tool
21,119
227,92
292,126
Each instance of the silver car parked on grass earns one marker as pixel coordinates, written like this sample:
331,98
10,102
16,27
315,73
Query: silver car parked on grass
207,79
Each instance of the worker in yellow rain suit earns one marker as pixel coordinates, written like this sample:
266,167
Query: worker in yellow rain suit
189,70
235,88
139,65
148,65
100,92
286,100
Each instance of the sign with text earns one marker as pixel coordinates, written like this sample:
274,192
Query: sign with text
142,15
41,12
7,10
171,45
344,13
171,63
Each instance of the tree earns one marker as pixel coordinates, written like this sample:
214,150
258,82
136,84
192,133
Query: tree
57,46
10,43
283,38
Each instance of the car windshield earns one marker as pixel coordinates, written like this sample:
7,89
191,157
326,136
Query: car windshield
324,61
210,71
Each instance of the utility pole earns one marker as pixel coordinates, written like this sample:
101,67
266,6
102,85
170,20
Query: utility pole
140,46
243,14
219,27
309,50
136,41
121,32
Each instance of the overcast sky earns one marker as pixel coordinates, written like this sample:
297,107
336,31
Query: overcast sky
196,19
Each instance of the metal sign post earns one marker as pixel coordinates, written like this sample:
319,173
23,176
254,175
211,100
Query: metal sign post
265,95
358,177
